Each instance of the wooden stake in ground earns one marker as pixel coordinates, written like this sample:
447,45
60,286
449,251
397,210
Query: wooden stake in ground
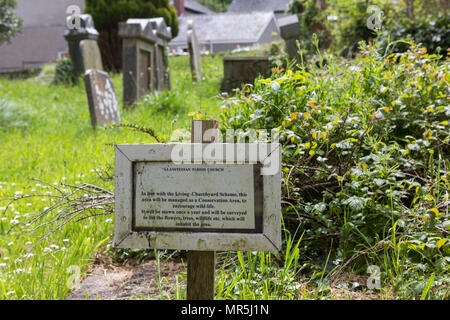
201,264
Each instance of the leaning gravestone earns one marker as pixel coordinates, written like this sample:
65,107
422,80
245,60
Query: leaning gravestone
290,32
194,52
74,36
102,100
90,55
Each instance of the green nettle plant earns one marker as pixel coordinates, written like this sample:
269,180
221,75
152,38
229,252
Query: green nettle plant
365,147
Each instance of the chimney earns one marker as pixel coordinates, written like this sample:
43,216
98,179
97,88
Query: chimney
179,6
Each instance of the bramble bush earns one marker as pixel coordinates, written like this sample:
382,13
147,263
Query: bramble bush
365,147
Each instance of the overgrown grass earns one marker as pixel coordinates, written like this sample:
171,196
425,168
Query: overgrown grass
53,141
360,214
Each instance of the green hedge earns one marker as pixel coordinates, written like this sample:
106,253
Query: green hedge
108,13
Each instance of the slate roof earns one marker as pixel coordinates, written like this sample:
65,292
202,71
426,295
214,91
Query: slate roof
259,6
195,7
225,27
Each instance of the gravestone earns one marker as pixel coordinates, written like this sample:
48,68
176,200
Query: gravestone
290,31
240,70
194,52
90,55
144,59
102,100
162,66
74,36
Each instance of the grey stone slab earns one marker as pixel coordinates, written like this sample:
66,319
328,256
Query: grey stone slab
289,27
241,70
194,52
144,59
74,36
103,106
138,29
90,55
290,32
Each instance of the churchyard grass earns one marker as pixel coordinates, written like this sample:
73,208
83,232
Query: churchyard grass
47,135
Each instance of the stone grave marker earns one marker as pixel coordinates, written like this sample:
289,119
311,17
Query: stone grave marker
144,59
90,55
102,100
240,70
194,52
162,66
290,32
74,36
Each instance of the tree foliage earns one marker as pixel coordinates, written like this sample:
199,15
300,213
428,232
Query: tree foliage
425,22
108,14
216,5
9,23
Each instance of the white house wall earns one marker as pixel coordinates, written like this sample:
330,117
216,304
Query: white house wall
42,37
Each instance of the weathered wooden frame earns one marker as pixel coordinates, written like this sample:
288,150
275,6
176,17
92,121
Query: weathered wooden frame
126,237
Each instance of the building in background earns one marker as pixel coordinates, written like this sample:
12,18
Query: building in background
42,40
190,7
278,7
227,31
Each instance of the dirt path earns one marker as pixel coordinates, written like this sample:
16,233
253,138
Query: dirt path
117,282
108,281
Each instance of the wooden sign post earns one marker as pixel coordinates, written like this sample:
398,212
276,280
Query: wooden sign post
201,264
201,197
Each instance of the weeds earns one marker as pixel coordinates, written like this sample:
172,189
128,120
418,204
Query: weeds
365,162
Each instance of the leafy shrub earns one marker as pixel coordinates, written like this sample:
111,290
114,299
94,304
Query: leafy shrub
433,32
312,20
426,24
365,155
350,26
9,23
108,14
64,71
